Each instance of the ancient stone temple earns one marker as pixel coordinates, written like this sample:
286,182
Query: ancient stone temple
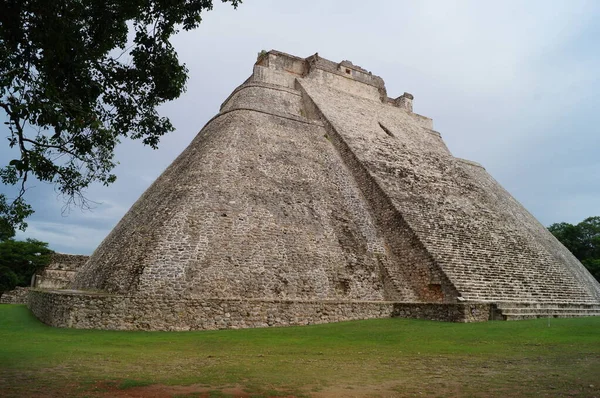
58,274
314,197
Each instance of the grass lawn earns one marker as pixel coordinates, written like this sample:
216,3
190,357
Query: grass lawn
384,357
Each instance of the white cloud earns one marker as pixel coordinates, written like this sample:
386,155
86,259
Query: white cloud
65,238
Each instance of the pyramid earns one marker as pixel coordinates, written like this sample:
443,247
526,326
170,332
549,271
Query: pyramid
314,197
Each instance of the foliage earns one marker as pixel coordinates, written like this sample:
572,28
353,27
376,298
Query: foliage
6,229
525,358
583,240
593,265
73,82
8,279
260,54
21,259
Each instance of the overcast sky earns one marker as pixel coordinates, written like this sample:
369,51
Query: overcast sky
513,85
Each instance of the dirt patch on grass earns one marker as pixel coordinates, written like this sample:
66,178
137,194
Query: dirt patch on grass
191,391
199,391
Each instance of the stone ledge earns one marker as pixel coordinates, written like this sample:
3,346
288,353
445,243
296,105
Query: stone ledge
271,113
268,86
92,310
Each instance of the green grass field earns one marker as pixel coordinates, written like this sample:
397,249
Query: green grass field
385,357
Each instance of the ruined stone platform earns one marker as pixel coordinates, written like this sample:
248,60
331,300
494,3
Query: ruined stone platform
17,296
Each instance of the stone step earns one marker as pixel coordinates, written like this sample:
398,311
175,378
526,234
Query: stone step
491,278
506,277
508,284
512,310
529,296
557,300
546,305
497,288
518,317
549,311
472,288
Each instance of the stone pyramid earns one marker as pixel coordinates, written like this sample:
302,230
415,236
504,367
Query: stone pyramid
314,197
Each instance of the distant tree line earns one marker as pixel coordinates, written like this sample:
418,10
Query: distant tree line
583,240
20,260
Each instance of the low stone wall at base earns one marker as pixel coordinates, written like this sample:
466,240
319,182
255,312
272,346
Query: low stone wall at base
84,310
459,312
16,296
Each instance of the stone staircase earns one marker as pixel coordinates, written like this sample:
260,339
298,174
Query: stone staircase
513,310
511,288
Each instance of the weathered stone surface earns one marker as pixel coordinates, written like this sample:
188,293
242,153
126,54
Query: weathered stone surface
60,272
478,236
57,275
312,187
85,310
512,311
16,296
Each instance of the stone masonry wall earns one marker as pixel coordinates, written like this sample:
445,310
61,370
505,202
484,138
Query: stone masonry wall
60,272
469,229
15,296
67,262
97,311
561,268
313,197
258,206
411,266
